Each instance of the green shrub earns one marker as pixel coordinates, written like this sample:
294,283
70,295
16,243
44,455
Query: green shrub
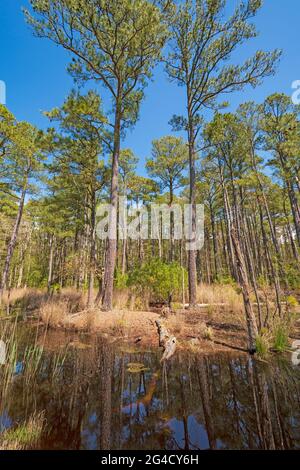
159,280
292,275
262,282
292,301
121,280
226,280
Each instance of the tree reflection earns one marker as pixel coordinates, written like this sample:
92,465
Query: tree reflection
95,401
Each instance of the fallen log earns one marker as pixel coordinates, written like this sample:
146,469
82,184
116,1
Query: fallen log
166,341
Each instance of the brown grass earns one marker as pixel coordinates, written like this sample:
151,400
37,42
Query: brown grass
222,300
14,295
54,313
125,299
176,323
220,294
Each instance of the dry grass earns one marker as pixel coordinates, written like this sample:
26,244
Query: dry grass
54,313
121,299
219,298
125,299
15,295
176,323
55,310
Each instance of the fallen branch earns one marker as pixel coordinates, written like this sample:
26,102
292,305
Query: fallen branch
166,341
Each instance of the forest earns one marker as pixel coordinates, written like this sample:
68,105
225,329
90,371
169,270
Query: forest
241,290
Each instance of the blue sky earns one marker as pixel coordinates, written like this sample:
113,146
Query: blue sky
34,71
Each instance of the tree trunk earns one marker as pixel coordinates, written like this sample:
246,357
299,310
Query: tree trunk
243,280
108,281
50,268
92,260
192,267
172,243
12,242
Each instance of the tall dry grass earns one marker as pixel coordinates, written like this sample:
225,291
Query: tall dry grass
125,299
14,295
54,313
224,294
221,299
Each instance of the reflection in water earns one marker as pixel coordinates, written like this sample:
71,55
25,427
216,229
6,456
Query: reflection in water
94,400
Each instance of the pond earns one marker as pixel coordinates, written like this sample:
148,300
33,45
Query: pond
97,395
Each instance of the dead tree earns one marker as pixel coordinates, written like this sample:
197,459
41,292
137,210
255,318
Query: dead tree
166,341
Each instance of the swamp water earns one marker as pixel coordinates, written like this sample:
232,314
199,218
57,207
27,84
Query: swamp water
96,395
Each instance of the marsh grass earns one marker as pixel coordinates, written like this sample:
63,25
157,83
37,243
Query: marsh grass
176,323
275,337
24,436
262,345
281,337
23,355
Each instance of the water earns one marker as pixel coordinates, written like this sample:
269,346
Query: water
97,395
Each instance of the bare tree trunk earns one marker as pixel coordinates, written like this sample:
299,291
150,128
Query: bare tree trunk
172,241
50,267
243,280
108,281
124,256
12,242
92,260
192,267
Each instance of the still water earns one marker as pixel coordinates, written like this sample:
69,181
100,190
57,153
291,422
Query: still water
97,395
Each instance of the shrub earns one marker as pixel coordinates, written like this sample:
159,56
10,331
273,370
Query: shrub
291,301
292,275
121,280
160,280
226,280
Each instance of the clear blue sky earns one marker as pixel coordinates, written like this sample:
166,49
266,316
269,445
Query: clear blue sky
36,78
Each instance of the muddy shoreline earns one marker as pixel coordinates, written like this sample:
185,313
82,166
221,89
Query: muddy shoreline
195,331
